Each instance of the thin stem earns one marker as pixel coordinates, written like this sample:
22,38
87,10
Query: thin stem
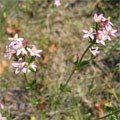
110,114
26,78
73,71
84,53
69,78
34,81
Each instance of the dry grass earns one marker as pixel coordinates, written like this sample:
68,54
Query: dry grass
44,24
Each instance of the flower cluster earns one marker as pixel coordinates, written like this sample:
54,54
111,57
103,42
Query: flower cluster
24,54
57,2
1,116
100,33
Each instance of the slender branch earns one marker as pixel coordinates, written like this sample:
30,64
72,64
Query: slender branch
73,71
84,53
26,78
116,112
34,81
69,78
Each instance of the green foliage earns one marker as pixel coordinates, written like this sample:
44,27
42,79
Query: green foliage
31,1
35,101
43,115
4,112
44,41
31,69
117,48
87,116
81,64
11,118
64,89
110,110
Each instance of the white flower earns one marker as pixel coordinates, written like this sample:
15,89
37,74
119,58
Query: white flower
57,2
15,40
21,50
34,51
95,51
89,33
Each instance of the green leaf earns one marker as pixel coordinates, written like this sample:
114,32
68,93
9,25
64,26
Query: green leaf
110,110
43,115
64,89
31,59
117,48
4,112
61,87
82,64
31,69
35,101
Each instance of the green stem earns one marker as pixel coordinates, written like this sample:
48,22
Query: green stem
96,27
84,53
34,81
26,78
73,71
69,78
110,114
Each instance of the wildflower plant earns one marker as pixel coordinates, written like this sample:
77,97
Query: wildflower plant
25,55
98,35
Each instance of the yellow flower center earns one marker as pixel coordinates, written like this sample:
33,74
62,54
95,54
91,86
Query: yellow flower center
21,46
98,18
22,53
8,50
34,49
20,65
109,18
100,37
91,30
15,38
106,32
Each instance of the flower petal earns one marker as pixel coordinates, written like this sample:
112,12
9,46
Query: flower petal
86,35
85,31
17,71
18,52
15,64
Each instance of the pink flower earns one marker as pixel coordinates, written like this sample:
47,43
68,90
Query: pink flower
95,51
14,40
98,18
9,52
20,66
89,33
2,118
15,45
21,50
34,51
57,2
1,106
26,43
107,21
100,37
110,31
